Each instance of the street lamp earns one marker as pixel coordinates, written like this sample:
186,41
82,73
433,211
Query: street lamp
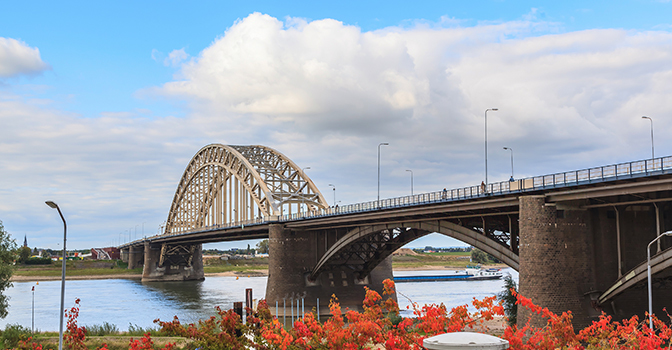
303,174
334,194
510,149
380,144
411,171
486,142
651,120
65,230
648,273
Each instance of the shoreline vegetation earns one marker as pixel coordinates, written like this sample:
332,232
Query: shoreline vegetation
402,260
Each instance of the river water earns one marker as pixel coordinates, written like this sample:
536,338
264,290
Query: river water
125,302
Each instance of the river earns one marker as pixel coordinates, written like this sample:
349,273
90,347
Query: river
125,302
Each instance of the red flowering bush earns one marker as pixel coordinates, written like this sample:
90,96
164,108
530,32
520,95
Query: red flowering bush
379,325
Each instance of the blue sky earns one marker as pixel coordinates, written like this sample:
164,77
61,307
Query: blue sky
103,104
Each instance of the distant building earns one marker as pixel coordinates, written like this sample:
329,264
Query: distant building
25,240
109,253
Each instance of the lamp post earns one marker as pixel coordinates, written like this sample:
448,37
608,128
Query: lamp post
648,273
486,142
65,231
32,328
411,171
334,194
380,144
510,149
651,120
303,174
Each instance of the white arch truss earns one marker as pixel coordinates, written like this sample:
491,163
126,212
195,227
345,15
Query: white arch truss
227,184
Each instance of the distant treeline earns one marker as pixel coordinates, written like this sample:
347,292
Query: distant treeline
444,250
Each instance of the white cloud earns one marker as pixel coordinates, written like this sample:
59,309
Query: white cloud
325,94
17,58
428,86
175,58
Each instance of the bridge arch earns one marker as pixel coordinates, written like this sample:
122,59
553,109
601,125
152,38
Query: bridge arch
230,184
364,247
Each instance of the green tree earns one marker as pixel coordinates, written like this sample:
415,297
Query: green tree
480,257
23,254
262,246
509,300
7,256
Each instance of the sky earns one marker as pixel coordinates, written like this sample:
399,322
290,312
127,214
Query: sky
103,104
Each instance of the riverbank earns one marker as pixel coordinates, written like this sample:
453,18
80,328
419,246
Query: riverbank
239,274
213,266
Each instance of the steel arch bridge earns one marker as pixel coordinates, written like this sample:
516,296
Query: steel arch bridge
226,184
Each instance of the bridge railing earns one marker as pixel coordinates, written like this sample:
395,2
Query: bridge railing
565,179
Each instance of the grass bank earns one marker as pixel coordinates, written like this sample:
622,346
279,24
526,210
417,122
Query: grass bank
212,264
77,268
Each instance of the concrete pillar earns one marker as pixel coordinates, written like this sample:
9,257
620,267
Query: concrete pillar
124,255
181,272
292,255
135,257
556,266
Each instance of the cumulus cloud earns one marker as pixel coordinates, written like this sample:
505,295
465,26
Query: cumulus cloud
429,85
325,94
17,58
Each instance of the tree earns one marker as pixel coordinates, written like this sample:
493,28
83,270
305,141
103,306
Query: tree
262,246
23,254
508,299
480,257
7,256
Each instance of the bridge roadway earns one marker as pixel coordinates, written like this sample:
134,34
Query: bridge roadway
570,235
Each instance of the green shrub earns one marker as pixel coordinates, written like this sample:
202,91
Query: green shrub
509,300
100,330
12,334
38,261
136,330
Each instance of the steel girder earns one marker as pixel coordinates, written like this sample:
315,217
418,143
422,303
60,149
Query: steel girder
364,247
229,184
177,255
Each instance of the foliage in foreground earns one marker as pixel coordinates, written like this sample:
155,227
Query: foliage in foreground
509,300
7,256
374,327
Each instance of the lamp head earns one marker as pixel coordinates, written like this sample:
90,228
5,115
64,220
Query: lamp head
494,109
52,204
645,117
506,148
385,144
668,233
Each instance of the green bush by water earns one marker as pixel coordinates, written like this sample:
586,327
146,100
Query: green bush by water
12,334
101,330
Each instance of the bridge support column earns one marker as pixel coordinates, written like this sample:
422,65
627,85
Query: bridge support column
135,257
556,252
292,255
123,254
164,262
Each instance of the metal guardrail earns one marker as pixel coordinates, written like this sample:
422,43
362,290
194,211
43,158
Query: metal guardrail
571,178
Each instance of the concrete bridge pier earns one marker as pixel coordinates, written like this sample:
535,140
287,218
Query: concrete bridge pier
135,257
165,262
292,256
556,260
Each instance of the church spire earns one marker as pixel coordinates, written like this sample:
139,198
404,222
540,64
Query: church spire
25,240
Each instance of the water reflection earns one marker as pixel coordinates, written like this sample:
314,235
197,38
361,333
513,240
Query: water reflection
123,302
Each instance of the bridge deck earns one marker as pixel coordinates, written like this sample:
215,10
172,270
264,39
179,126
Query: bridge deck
575,184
